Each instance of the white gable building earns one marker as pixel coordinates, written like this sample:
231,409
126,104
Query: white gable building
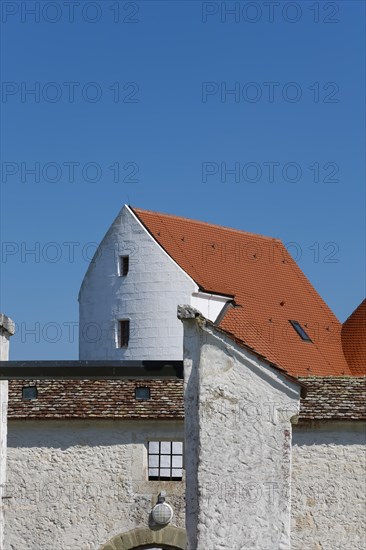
146,295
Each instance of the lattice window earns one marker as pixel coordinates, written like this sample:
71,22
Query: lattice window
165,460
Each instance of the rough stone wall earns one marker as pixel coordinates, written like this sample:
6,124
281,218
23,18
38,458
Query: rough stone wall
148,296
328,495
76,484
238,445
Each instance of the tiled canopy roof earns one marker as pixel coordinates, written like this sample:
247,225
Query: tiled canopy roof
327,399
354,340
66,399
268,287
334,399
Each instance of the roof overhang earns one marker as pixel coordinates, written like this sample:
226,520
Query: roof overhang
89,370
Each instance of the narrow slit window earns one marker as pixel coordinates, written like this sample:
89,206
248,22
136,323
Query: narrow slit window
123,333
165,460
300,331
124,265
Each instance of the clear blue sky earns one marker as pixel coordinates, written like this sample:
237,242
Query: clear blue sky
144,90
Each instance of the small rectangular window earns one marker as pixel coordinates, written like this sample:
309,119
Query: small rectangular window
123,333
142,393
29,393
300,331
124,264
165,460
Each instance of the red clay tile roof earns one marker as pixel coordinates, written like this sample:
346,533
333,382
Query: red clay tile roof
338,398
354,340
268,287
69,399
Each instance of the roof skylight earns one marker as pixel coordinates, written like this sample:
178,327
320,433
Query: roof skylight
300,331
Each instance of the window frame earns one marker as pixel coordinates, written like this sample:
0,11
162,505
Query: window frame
301,331
160,467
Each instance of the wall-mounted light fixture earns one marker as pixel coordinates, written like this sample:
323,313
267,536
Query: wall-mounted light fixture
162,513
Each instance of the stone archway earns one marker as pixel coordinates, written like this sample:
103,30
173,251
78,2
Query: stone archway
173,538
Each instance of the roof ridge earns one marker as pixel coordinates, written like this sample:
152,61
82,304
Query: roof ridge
209,224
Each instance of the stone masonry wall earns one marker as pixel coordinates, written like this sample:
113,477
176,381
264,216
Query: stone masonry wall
73,485
328,495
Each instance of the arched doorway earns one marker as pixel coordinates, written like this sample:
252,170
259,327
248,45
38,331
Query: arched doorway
168,538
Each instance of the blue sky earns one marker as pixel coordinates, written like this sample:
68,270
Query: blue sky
132,104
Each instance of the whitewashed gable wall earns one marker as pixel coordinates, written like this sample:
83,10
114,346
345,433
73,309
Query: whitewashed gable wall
148,297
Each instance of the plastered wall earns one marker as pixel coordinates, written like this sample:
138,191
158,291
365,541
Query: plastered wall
73,485
329,486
